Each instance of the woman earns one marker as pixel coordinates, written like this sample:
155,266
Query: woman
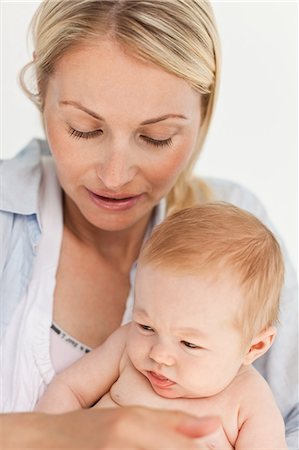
126,90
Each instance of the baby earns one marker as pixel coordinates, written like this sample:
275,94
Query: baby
206,302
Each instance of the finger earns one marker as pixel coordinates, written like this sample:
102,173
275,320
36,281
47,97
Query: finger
198,427
216,439
147,429
177,430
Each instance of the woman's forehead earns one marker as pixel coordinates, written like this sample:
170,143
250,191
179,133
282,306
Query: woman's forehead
104,73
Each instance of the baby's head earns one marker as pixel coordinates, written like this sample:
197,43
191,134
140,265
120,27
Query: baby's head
207,299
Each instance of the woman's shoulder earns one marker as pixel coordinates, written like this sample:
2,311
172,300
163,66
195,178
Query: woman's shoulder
21,176
28,156
232,192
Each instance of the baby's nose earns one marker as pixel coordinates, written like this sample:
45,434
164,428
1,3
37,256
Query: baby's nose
162,355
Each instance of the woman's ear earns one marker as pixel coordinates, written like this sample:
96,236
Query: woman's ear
259,345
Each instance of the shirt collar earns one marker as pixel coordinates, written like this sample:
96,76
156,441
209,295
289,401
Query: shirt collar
21,177
159,213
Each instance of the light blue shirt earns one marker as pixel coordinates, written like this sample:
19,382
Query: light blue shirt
20,227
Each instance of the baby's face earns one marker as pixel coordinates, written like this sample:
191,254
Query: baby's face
182,336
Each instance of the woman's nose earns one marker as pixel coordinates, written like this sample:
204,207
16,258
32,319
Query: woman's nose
116,169
162,355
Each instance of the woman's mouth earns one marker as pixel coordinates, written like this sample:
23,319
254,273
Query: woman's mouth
117,203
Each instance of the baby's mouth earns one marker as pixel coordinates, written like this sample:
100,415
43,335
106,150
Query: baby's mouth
159,380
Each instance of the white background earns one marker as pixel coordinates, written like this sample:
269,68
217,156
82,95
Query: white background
253,139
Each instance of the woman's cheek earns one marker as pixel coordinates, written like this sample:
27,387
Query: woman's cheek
70,160
170,167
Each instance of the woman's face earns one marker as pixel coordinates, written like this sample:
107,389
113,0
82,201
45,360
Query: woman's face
120,130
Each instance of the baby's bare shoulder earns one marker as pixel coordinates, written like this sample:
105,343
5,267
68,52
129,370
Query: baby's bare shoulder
255,395
250,378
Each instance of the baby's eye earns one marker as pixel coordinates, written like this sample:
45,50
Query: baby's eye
190,345
145,327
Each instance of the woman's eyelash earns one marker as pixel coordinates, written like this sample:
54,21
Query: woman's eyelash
92,134
157,142
84,134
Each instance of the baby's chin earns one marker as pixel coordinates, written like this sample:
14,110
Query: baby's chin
174,392
177,392
169,393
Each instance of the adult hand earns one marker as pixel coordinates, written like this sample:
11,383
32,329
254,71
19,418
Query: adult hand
131,427
216,439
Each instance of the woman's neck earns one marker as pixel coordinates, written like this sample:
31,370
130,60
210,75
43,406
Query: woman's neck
120,248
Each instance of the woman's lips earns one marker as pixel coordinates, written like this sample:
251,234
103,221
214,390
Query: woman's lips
118,203
159,380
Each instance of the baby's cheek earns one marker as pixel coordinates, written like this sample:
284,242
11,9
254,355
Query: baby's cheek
133,345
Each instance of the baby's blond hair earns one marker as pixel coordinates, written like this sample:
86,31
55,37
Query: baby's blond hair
219,238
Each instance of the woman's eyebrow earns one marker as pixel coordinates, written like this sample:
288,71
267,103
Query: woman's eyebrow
161,118
145,122
83,108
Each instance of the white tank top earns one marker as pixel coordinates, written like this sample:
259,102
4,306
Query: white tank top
64,348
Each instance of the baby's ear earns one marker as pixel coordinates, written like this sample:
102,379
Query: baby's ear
260,344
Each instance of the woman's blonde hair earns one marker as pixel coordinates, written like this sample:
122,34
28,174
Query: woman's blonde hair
180,36
217,239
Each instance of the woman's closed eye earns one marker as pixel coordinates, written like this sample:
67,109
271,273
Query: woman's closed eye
77,134
156,142
84,134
